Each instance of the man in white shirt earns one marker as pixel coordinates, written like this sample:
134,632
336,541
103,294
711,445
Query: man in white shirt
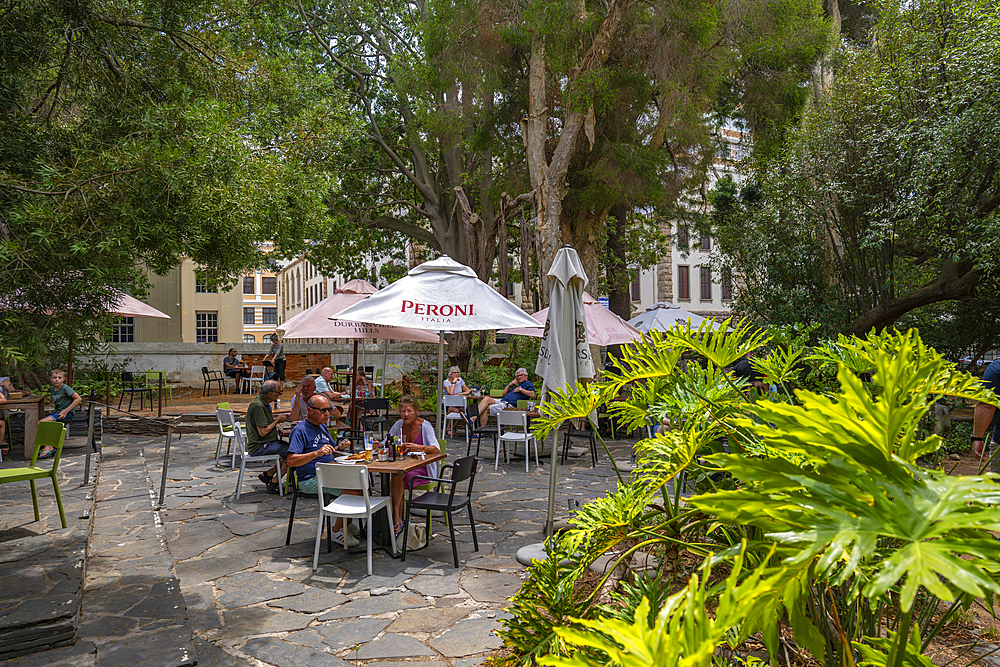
323,389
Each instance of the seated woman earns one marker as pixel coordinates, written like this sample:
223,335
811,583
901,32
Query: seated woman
418,434
454,385
358,383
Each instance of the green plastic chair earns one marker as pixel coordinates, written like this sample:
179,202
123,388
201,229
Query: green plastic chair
496,393
522,404
52,434
153,384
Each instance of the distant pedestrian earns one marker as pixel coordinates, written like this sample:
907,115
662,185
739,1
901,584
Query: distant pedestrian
276,356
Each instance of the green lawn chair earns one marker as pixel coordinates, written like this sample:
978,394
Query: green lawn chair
496,393
52,434
153,384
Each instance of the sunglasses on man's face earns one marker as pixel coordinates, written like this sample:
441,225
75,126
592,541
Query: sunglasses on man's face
321,409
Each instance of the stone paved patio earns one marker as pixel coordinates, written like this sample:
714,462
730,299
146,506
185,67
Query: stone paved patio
209,578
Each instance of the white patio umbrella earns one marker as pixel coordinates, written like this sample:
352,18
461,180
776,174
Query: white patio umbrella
316,322
564,355
439,295
603,326
663,315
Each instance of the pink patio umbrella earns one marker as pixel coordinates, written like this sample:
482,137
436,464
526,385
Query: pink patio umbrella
125,305
603,326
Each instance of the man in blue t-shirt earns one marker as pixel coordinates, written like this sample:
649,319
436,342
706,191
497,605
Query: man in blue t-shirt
987,416
311,443
519,388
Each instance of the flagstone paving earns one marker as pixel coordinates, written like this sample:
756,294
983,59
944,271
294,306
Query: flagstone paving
207,577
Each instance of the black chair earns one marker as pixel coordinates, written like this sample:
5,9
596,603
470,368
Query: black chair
376,411
439,501
294,481
340,380
369,372
585,432
210,377
133,385
473,430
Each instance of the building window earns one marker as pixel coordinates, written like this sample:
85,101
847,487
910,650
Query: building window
634,288
683,282
248,316
268,285
248,338
705,242
124,330
682,237
201,284
206,327
270,315
706,284
248,284
727,284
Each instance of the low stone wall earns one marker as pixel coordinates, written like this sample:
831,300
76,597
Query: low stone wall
77,427
182,362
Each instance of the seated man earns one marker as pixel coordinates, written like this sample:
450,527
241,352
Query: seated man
311,443
745,370
233,367
305,391
519,388
323,388
262,432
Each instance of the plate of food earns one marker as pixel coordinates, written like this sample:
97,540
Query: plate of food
351,458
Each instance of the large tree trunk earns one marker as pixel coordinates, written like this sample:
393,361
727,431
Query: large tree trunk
549,175
957,281
619,294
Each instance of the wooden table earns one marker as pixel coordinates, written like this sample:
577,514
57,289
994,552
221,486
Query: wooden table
387,469
34,410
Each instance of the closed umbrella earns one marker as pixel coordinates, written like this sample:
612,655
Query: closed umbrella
439,295
603,326
564,355
663,315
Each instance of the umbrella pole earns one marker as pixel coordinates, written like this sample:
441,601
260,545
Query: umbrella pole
385,352
440,397
550,512
69,366
354,390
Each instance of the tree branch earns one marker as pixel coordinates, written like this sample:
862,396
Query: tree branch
956,281
408,228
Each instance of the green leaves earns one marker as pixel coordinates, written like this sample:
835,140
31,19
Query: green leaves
843,488
684,633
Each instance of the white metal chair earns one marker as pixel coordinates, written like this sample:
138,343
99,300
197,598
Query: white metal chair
513,428
256,375
452,402
240,449
231,382
337,476
226,433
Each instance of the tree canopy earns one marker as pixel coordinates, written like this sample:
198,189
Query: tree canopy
886,198
134,133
